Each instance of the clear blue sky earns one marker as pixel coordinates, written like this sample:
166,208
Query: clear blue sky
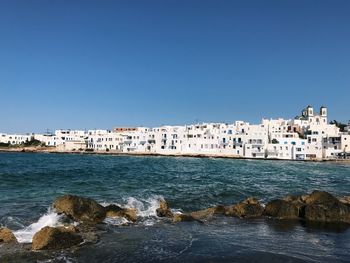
99,64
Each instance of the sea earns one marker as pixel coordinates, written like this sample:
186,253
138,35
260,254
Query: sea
29,182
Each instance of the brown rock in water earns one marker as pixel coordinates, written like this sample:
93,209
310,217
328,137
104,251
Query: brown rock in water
80,209
56,238
345,200
318,206
320,197
117,211
248,208
6,236
164,210
294,198
282,209
324,207
183,218
206,213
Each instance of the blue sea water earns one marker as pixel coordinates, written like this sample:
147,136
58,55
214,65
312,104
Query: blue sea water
30,182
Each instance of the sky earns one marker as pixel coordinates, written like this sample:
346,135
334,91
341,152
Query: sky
101,64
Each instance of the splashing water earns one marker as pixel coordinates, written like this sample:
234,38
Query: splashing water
26,234
145,207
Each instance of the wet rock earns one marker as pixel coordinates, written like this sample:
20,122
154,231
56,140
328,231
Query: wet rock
282,209
324,207
49,238
320,197
117,211
164,210
80,209
6,236
206,213
248,208
294,198
345,200
183,218
319,206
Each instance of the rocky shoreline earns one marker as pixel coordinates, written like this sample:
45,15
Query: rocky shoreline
83,217
117,153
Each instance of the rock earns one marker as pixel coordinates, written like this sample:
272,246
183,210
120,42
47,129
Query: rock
116,211
251,201
324,207
294,198
319,206
248,208
203,214
6,236
69,229
345,200
56,238
183,218
164,210
80,209
282,209
320,197
89,232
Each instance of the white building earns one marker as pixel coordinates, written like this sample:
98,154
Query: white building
307,137
14,139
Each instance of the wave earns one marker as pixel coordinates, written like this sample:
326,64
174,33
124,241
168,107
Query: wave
146,209
25,235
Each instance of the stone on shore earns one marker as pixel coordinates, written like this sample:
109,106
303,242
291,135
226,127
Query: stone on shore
49,238
183,218
164,210
248,208
282,209
345,200
209,212
318,206
6,236
323,207
116,211
80,209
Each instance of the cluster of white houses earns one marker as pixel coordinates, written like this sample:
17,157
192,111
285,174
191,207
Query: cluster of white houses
306,137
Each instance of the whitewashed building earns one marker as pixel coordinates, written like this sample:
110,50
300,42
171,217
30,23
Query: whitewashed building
306,137
15,139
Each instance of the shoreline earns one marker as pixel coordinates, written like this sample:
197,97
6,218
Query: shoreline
115,153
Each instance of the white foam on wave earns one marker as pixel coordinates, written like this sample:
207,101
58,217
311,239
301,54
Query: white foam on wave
117,221
26,234
145,209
